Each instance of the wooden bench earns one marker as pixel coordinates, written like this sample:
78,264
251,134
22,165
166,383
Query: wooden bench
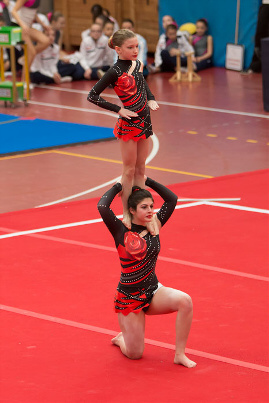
189,75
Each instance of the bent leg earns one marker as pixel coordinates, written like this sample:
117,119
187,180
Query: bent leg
40,39
131,338
168,300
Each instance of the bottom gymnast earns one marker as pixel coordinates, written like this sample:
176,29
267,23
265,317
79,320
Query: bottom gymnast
139,293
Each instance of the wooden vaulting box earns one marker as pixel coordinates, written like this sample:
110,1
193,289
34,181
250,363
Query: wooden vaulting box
78,17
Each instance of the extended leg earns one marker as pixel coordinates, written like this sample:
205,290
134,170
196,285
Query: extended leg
142,153
129,156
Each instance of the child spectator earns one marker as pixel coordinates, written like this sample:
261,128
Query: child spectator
112,54
44,19
107,14
57,22
176,43
67,65
44,67
203,46
99,19
161,45
94,53
156,67
142,44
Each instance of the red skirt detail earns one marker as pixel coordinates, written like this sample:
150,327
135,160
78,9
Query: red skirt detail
134,301
133,129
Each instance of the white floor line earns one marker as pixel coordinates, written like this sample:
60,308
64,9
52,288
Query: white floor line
236,207
209,199
197,107
79,325
153,153
77,224
181,206
73,108
161,258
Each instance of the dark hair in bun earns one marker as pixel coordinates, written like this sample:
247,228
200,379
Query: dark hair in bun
138,194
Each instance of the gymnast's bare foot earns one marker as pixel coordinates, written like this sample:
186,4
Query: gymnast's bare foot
116,340
181,359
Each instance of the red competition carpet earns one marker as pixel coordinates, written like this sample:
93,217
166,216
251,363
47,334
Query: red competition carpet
59,274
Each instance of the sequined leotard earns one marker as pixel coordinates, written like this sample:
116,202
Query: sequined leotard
130,86
138,255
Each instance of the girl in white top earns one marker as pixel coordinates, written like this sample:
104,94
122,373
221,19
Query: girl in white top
25,13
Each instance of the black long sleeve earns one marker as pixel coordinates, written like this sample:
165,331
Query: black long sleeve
109,78
170,200
132,90
112,222
150,96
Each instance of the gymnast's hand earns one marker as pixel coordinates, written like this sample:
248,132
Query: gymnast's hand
125,113
153,105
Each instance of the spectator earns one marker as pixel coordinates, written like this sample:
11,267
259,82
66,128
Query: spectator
156,66
45,22
107,14
67,65
100,15
142,44
96,10
112,54
94,53
57,22
44,67
176,43
203,46
100,19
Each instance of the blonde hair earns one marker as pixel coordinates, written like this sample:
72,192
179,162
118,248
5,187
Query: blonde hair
119,37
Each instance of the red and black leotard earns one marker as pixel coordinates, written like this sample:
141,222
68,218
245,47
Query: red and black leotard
133,92
138,255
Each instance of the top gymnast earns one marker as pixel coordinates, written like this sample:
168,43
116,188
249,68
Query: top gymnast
133,127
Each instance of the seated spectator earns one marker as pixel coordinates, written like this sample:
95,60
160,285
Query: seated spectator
41,18
176,43
57,22
156,66
99,19
100,15
142,44
112,56
44,67
68,64
94,53
107,14
203,46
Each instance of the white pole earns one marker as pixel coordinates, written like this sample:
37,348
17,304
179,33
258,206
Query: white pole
237,22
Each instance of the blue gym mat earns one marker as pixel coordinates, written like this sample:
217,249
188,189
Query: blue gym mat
17,134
